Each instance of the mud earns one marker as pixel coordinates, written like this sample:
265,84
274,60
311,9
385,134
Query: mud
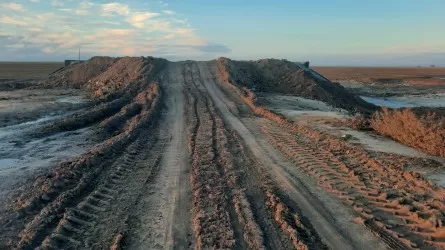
387,221
179,157
18,106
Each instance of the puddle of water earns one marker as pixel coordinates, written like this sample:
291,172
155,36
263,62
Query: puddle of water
71,99
408,101
295,114
7,162
386,102
9,130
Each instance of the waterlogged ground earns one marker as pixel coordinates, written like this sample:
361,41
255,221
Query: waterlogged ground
410,101
23,156
29,105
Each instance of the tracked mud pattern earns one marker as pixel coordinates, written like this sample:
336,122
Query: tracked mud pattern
211,221
394,215
140,188
92,214
399,206
252,214
49,217
63,208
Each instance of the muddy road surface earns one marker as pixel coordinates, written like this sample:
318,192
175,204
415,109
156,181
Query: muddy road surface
182,161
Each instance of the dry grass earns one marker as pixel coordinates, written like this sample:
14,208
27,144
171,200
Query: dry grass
28,70
358,122
425,132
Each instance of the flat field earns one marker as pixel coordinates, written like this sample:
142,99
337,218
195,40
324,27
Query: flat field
422,75
28,70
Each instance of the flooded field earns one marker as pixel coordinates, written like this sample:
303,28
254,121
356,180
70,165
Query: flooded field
410,101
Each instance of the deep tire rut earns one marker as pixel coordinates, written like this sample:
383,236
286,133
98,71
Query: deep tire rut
91,216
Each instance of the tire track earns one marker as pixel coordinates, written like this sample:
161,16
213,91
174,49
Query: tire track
90,222
217,133
336,177
155,222
277,214
72,182
293,196
212,224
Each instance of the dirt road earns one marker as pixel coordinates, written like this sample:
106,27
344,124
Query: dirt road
336,230
191,167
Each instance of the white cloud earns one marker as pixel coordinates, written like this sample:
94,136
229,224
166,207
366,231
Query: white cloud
109,9
183,31
81,12
125,30
48,50
163,4
12,21
169,12
84,8
138,19
57,3
35,30
16,46
117,32
15,7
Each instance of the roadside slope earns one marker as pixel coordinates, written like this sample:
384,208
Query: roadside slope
281,76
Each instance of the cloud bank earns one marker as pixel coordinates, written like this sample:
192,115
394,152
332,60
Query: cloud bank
55,29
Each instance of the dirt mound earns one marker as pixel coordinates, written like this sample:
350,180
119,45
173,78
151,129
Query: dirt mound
116,84
105,75
126,70
282,76
78,74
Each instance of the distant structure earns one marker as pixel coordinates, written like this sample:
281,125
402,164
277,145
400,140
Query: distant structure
70,62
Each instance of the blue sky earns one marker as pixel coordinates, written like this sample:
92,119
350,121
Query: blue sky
344,32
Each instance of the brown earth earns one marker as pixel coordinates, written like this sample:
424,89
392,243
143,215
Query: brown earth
28,70
281,76
382,75
387,81
186,159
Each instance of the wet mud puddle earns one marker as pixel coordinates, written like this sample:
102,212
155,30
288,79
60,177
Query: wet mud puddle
436,100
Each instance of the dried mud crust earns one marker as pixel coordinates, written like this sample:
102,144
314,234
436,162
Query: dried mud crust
401,207
235,205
